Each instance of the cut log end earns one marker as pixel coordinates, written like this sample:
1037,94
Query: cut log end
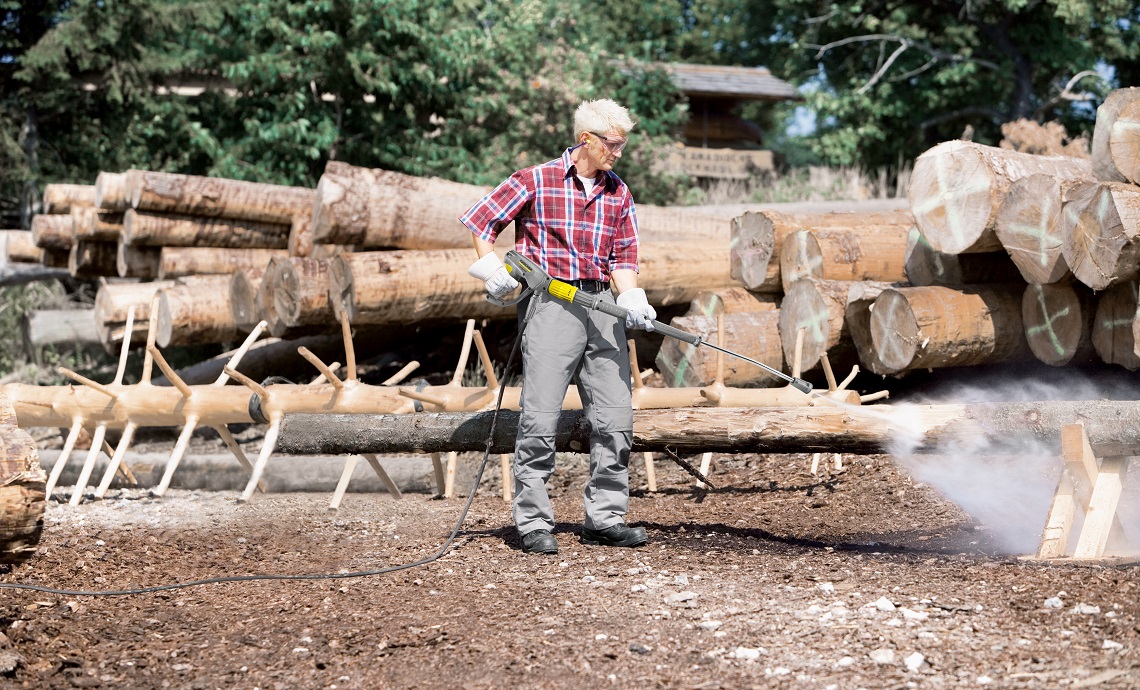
894,331
800,257
950,195
1124,141
1115,329
21,521
1058,320
1029,226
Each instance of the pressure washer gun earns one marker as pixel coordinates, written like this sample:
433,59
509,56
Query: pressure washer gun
533,279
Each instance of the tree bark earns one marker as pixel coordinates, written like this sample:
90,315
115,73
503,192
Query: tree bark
1113,428
1058,320
196,313
734,300
406,286
1102,233
111,304
752,334
758,237
22,274
926,266
873,253
185,261
957,188
53,232
22,485
1115,144
111,192
1029,225
61,198
88,259
155,230
69,327
19,247
819,308
216,197
301,297
932,327
374,209
1115,330
137,262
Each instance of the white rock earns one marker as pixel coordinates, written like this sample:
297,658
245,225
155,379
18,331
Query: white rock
914,662
589,578
680,597
884,604
883,656
778,671
845,662
894,622
601,637
1086,609
746,653
489,585
682,580
827,587
914,615
984,680
709,625
638,588
1054,603
1112,646
815,610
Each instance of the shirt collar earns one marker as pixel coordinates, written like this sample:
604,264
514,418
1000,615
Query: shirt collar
609,178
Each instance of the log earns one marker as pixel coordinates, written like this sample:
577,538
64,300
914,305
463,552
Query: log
61,198
372,209
925,265
111,304
1115,329
752,334
21,274
1113,428
876,252
185,261
1029,225
300,242
957,188
734,300
215,197
82,219
101,226
301,294
1101,231
757,239
92,259
405,286
933,327
111,192
819,308
55,258
264,300
137,262
53,232
173,230
68,327
19,247
243,289
22,490
1116,137
1058,320
196,313
857,318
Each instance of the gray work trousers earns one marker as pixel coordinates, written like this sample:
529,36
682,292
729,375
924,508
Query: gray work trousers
563,341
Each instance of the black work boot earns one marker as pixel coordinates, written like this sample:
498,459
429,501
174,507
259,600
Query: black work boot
620,534
539,541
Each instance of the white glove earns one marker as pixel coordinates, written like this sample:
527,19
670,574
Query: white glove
640,314
494,275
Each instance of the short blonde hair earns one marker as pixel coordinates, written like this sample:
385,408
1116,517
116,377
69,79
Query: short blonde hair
601,116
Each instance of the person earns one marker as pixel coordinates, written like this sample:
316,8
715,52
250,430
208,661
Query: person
576,219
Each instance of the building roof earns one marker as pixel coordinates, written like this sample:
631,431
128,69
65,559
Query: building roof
755,83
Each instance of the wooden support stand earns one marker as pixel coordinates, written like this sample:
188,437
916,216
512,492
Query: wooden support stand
1095,491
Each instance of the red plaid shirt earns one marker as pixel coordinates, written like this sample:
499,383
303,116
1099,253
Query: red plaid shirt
571,236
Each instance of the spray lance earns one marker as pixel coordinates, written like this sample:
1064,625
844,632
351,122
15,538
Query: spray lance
534,279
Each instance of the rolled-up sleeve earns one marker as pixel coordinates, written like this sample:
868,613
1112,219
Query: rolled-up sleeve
624,254
492,213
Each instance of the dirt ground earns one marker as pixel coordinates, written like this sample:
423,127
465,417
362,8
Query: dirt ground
856,578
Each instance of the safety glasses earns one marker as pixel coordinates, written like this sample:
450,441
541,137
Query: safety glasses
614,145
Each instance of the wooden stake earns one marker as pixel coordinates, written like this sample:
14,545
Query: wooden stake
116,459
379,470
94,385
449,482
68,446
508,478
349,352
650,472
440,482
176,455
706,462
267,447
88,465
345,477
239,454
464,353
168,371
325,371
485,360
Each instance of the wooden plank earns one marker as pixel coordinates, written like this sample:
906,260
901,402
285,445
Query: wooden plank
1100,517
1059,524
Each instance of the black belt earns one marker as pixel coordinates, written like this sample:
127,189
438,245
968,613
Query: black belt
589,285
